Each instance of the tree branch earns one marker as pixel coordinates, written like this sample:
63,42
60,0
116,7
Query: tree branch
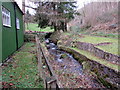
30,7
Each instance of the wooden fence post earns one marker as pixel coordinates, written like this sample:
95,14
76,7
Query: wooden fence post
51,83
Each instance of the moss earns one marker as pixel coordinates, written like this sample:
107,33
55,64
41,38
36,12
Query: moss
83,57
102,80
94,58
55,36
95,70
106,76
86,65
63,56
105,83
93,73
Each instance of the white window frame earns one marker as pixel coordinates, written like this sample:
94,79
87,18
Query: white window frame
17,23
6,19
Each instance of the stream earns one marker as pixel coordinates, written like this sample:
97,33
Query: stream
68,64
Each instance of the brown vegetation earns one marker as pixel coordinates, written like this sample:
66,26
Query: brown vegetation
98,16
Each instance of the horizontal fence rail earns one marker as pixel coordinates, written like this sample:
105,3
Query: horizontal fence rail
49,82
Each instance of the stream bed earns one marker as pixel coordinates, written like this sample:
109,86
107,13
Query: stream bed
69,71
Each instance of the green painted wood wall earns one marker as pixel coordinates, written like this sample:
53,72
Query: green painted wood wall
9,44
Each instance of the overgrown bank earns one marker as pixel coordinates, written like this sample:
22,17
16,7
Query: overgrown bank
106,71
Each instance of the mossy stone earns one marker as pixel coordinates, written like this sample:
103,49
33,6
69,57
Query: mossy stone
59,42
86,65
63,56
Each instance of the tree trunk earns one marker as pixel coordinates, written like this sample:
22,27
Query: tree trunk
55,28
65,26
62,26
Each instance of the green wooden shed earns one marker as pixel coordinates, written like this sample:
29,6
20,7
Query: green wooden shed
11,29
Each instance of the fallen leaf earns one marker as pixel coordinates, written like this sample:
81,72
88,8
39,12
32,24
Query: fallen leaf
11,84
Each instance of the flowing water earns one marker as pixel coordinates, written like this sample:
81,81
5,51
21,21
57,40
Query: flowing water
75,65
69,63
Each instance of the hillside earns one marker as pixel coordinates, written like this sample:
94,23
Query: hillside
97,18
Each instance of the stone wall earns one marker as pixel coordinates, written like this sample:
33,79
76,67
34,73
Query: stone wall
98,52
107,76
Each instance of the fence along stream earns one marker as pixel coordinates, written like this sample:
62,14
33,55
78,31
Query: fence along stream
49,82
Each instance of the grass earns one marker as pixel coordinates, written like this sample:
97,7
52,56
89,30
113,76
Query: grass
111,48
94,58
96,39
34,27
22,72
66,33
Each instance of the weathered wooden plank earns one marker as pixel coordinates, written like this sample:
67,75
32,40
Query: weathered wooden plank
49,67
50,82
39,56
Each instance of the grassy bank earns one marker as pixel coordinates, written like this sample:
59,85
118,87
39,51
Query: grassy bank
34,27
99,60
78,52
112,47
22,71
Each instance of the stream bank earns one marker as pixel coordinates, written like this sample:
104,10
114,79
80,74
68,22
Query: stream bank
69,71
108,76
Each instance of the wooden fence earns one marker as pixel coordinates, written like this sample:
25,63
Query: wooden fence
49,82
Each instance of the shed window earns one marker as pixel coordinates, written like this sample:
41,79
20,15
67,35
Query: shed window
18,23
6,17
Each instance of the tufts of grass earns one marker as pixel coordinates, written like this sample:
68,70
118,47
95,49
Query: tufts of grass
22,72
